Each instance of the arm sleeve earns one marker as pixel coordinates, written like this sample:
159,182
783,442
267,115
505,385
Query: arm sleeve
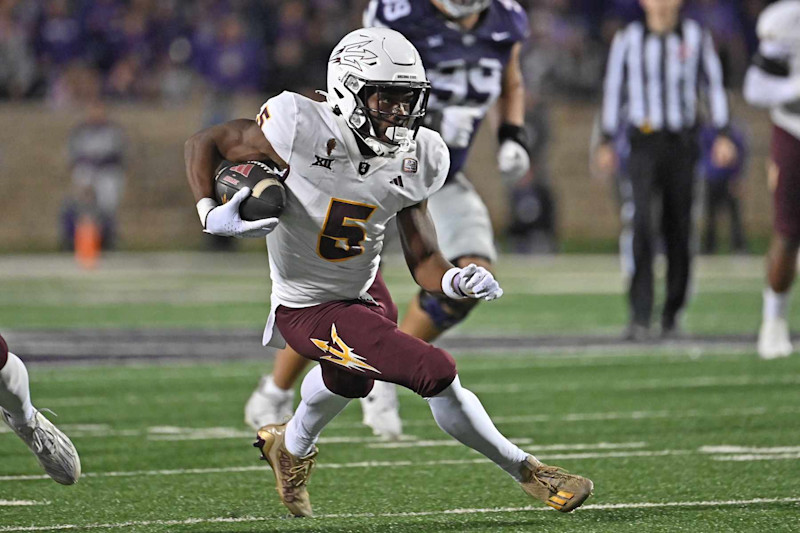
278,121
766,90
768,82
718,99
613,84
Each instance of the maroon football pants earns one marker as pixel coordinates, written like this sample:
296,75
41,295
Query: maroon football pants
357,342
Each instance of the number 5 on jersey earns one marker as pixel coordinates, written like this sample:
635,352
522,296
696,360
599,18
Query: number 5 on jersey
343,233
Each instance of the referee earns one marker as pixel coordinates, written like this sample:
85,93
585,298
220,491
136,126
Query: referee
656,68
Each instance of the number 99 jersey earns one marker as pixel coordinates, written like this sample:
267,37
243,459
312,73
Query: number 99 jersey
338,203
465,68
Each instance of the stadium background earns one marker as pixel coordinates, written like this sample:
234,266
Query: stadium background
169,68
149,357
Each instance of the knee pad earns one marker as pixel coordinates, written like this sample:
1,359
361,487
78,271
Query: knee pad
445,312
344,384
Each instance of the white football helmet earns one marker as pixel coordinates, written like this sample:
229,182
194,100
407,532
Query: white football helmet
779,23
378,61
461,8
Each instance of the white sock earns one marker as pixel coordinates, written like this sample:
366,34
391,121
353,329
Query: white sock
269,388
15,395
460,414
317,408
776,304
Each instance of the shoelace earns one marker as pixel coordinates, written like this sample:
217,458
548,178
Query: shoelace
553,472
302,472
41,438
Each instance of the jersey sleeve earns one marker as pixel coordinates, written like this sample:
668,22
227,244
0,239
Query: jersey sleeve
437,163
278,121
516,20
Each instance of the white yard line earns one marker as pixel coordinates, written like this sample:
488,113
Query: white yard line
756,457
21,503
361,464
408,514
697,382
618,451
749,449
176,434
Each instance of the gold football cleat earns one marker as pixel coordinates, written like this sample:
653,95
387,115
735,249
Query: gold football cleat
560,490
291,473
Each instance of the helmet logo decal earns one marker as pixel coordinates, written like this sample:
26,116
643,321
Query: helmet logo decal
331,145
355,55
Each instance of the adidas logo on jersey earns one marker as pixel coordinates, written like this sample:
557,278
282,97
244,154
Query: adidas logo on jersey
397,181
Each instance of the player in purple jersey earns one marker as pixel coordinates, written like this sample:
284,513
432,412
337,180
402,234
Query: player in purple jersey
470,50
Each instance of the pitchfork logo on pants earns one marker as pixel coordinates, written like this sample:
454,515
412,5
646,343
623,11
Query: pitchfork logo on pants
343,355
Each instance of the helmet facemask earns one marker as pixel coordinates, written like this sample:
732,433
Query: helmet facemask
387,114
462,8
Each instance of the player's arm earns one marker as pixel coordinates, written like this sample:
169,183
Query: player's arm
769,82
429,267
237,140
512,94
512,158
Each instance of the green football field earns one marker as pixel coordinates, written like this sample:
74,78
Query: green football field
697,435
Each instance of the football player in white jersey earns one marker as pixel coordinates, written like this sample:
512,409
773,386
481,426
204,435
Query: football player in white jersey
773,81
355,163
470,49
54,451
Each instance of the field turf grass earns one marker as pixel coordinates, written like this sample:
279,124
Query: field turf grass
701,440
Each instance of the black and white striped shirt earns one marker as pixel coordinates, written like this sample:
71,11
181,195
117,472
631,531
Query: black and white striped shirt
653,80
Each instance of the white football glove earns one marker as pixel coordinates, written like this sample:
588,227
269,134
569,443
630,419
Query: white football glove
513,161
471,281
224,220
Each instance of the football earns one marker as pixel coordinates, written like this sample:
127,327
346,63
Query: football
268,196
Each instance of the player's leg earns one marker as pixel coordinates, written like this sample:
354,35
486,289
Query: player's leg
641,168
773,338
289,447
465,235
364,344
676,224
273,399
54,451
461,415
784,177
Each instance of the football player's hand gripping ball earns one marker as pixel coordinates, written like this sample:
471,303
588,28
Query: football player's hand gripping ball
225,221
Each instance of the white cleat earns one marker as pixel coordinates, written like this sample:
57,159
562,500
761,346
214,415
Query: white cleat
773,339
382,411
268,405
52,448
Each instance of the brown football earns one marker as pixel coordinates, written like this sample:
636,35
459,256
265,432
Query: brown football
268,195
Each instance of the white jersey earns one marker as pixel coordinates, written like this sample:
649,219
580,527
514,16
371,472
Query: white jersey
778,29
338,203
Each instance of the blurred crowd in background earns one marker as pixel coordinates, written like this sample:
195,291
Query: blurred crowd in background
66,53
165,49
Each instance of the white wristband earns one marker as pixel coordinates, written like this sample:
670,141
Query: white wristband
204,206
447,284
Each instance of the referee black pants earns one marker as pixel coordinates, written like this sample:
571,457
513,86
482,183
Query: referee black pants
661,169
